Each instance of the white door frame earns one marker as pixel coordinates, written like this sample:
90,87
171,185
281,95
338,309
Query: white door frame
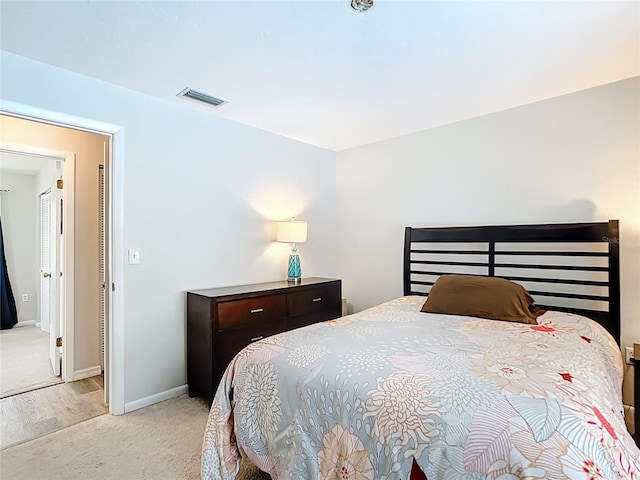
68,227
115,240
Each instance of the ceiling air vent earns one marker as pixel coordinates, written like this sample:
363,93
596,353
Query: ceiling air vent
201,97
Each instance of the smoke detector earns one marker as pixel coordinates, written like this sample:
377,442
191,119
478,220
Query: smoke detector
201,97
362,5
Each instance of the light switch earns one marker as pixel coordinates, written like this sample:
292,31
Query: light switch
134,256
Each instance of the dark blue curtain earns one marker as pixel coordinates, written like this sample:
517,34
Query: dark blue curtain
9,314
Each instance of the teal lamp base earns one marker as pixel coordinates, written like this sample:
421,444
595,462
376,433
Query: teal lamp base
294,273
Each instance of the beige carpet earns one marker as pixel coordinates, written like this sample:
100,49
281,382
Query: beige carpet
24,360
160,442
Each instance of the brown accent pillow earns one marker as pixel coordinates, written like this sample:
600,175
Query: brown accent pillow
485,297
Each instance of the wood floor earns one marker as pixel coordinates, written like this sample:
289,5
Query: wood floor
36,413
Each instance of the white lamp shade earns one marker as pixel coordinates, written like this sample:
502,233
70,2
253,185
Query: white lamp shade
292,232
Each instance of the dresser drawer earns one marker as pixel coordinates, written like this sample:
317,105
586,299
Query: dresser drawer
231,342
222,321
313,300
237,313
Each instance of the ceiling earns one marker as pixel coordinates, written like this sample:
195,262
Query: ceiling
318,72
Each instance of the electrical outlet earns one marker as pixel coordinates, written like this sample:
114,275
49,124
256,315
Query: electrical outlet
25,297
628,355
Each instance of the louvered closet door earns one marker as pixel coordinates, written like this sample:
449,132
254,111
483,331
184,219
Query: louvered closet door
103,232
45,261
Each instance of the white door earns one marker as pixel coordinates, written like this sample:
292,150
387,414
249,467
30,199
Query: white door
55,351
50,281
45,261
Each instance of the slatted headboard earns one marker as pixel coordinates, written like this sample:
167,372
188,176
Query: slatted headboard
571,267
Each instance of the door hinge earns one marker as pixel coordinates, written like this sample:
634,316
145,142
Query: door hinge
113,287
59,184
59,342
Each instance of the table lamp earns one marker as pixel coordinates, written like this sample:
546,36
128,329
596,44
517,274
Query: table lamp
292,232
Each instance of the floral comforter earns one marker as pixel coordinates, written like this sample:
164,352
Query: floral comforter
361,397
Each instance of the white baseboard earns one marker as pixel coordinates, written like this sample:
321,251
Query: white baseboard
25,323
158,397
87,372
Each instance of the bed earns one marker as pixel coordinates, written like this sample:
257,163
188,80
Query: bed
393,392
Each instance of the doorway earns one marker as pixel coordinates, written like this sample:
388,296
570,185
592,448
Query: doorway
72,269
27,206
114,181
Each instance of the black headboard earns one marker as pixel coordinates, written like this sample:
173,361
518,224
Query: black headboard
563,266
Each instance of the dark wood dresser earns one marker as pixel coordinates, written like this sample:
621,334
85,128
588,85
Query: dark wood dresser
222,321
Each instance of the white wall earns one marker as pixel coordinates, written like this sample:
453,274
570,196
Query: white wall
45,179
20,229
200,194
568,159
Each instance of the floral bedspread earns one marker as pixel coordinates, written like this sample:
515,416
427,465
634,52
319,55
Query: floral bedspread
362,396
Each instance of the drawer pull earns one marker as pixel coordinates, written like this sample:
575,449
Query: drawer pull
317,299
257,310
255,339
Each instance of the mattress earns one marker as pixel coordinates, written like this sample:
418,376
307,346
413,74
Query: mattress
363,396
